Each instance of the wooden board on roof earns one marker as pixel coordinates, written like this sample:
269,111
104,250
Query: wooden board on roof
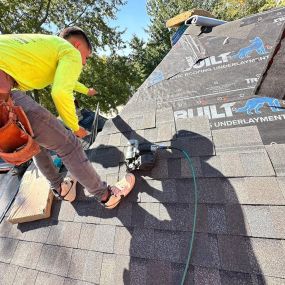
181,18
34,199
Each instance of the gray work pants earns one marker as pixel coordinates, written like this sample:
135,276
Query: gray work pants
50,134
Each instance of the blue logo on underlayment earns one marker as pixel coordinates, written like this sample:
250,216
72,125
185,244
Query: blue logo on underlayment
156,77
255,104
256,45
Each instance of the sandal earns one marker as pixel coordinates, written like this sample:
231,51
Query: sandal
68,190
120,190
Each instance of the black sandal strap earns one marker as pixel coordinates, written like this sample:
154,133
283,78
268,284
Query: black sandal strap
60,197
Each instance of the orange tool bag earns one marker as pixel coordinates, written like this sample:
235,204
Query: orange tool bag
16,143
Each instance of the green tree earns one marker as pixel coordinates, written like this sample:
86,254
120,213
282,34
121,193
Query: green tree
234,9
47,16
114,79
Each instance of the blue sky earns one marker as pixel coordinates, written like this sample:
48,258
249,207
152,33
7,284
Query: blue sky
133,18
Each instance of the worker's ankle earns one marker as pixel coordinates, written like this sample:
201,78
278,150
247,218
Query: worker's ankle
106,196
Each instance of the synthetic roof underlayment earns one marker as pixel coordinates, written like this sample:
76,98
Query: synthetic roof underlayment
199,98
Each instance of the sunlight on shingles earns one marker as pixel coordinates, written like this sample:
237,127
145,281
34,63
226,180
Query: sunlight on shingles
163,212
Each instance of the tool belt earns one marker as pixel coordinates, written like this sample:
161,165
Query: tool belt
16,135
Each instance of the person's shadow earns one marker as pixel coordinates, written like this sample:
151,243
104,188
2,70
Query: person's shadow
156,236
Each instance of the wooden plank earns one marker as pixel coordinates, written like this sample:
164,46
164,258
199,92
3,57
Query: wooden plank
34,199
9,186
181,18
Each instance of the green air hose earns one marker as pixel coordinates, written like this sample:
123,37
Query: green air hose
195,210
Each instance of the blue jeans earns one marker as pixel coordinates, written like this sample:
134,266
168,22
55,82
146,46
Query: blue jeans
50,134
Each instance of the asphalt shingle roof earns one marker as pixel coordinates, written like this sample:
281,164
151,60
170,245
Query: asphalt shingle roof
240,233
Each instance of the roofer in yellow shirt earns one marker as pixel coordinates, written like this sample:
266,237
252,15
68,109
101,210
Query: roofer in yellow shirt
34,61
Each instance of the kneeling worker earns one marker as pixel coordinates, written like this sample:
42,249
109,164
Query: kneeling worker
34,61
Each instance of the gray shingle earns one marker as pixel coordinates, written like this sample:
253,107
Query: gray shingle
151,134
185,190
160,170
138,271
120,216
270,255
211,166
211,190
206,276
151,219
194,146
174,168
54,259
232,166
148,119
36,231
123,240
234,253
198,126
217,219
66,211
7,273
97,237
138,215
237,139
5,228
101,139
124,214
165,132
85,265
164,115
257,164
158,191
278,220
276,154
170,245
25,276
186,170
260,221
64,234
88,212
253,190
49,279
157,266
7,249
177,271
273,280
205,250
176,217
237,223
238,165
142,243
281,183
115,139
27,254
108,269
235,278
68,281
136,135
16,232
202,219
115,270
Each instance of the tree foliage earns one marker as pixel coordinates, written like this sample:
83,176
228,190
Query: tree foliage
114,78
233,9
111,75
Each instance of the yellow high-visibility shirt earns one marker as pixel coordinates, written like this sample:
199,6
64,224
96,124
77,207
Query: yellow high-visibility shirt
36,61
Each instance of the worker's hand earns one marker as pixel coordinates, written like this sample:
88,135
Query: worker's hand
81,133
92,92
